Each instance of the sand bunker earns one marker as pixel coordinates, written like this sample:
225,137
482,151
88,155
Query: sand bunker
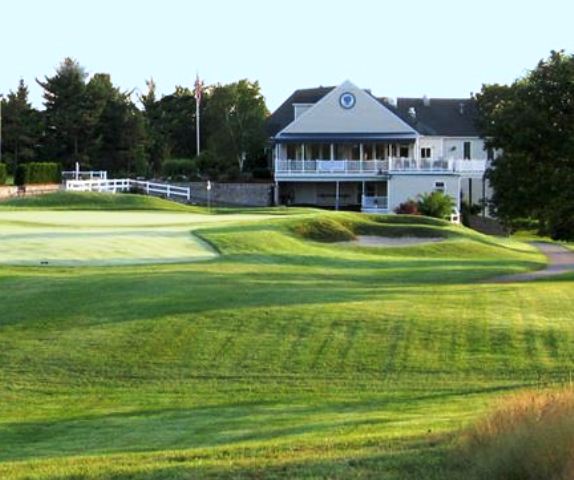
375,241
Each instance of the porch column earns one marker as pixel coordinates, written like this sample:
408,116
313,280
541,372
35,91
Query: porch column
483,196
332,151
362,194
276,194
470,191
337,195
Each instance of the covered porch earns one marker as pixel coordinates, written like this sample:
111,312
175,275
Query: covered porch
341,194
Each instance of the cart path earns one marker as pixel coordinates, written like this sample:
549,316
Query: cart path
560,260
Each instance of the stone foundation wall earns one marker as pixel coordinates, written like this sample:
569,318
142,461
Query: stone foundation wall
234,194
10,191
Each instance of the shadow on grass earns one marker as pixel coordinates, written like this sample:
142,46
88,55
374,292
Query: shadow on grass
227,425
101,295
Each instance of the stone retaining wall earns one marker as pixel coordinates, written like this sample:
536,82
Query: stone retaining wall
10,191
234,194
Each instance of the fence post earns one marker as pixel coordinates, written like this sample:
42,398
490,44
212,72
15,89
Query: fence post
147,188
168,191
188,194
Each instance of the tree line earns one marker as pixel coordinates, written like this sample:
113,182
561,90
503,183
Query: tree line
87,119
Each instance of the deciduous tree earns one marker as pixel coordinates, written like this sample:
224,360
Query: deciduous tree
532,122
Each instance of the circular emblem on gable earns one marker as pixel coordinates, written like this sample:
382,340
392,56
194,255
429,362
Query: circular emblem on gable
347,100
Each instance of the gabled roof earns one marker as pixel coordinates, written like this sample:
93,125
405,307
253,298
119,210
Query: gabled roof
442,116
365,118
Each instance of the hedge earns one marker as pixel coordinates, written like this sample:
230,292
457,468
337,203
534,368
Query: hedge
3,174
179,167
31,173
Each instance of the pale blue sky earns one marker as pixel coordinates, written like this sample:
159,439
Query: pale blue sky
400,48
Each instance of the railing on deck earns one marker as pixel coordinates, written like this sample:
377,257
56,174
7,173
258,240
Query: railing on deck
330,167
377,167
127,184
374,203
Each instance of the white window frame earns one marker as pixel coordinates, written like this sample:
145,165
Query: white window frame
437,188
429,151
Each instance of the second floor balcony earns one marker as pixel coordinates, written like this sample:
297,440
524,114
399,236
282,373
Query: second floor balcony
362,168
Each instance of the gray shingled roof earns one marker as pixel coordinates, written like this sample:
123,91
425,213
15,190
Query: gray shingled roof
285,114
451,117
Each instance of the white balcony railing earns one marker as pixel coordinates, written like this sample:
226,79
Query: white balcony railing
331,167
377,167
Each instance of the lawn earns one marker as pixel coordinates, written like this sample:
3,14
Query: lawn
280,357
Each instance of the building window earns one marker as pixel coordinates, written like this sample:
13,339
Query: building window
404,152
342,152
368,150
426,152
467,150
490,153
291,151
310,151
381,151
439,187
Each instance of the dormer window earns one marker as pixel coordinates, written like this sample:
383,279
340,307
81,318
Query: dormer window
300,108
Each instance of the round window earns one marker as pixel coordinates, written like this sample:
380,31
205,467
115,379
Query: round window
347,100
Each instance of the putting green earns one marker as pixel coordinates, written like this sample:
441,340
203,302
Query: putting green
97,238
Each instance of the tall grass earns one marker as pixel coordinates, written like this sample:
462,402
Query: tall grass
528,436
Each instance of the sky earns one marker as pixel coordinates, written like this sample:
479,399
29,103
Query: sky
398,48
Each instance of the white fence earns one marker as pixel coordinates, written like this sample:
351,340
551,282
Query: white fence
127,184
84,175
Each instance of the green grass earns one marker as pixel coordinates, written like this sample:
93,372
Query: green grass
283,357
95,201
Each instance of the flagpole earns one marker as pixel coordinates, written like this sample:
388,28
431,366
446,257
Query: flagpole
198,94
197,124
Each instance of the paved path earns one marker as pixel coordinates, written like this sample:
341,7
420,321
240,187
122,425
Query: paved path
560,260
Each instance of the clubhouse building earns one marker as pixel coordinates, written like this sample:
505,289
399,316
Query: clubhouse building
341,147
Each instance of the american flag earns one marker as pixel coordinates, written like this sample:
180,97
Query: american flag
198,89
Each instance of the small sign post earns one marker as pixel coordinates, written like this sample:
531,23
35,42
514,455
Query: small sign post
208,187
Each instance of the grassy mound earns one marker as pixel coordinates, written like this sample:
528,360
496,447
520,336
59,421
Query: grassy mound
322,229
530,436
345,226
96,201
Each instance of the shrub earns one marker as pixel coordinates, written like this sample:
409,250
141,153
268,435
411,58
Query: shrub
3,174
530,436
34,173
410,207
561,223
179,167
517,224
435,204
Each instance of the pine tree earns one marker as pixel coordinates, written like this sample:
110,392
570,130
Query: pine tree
67,114
21,127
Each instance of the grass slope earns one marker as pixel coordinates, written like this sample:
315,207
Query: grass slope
287,356
95,201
